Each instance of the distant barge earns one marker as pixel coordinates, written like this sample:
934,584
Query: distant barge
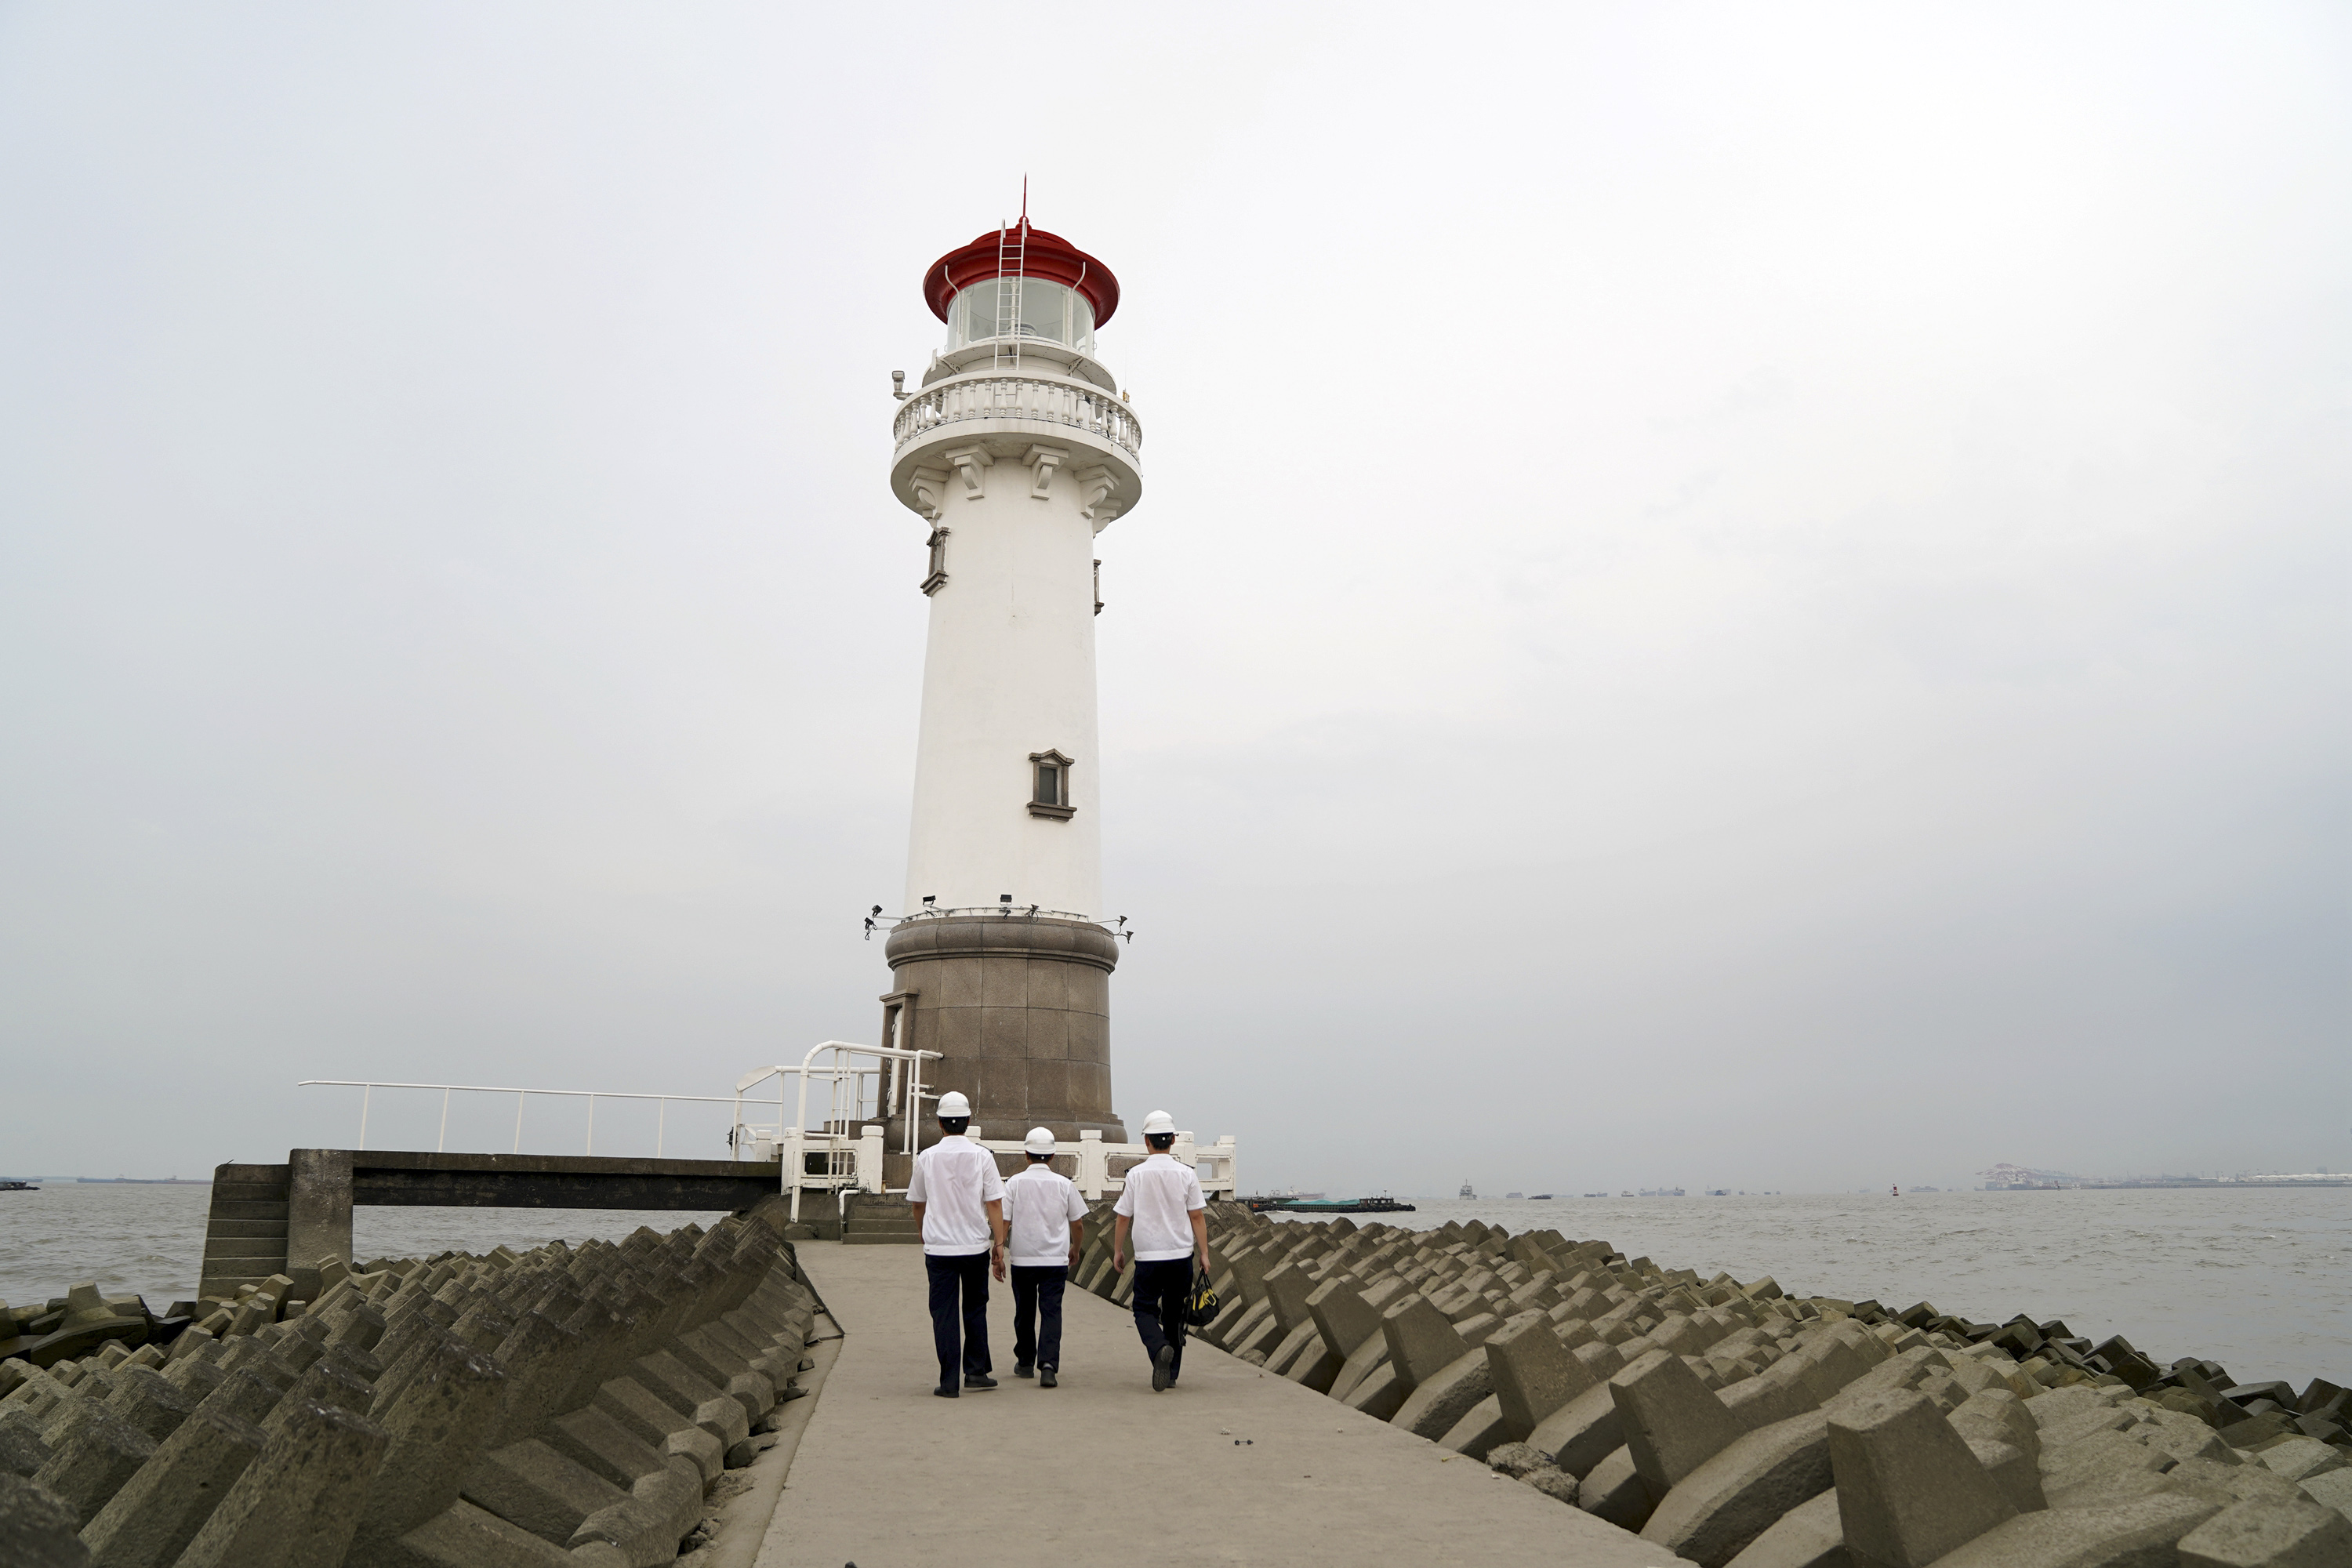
1327,1206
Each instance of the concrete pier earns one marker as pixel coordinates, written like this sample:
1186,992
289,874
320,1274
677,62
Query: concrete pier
1232,1466
270,1219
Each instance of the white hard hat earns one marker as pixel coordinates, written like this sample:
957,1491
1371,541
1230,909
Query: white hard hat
951,1103
1039,1142
1159,1122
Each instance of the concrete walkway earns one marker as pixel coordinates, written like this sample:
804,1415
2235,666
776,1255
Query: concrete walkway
1101,1469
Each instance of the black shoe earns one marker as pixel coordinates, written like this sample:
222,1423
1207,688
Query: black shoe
1161,1374
978,1380
1022,1369
948,1391
1045,1378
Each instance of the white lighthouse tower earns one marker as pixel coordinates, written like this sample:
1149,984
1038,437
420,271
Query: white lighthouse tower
1015,451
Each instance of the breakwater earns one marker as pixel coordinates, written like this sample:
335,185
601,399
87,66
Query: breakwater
560,1405
2250,1279
1732,1423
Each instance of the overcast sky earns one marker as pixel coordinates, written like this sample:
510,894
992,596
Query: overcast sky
1733,596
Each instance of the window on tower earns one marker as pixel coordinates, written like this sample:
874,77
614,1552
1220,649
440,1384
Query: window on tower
1049,787
935,578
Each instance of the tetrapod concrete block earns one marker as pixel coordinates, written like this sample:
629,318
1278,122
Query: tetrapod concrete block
439,1423
465,1536
2270,1535
299,1501
93,1453
1614,1491
1532,1373
1909,1489
1583,1431
1716,1511
37,1527
1810,1535
1445,1396
150,1521
1672,1422
2126,1535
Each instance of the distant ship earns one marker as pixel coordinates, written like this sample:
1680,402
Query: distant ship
1465,1192
140,1182
1540,1198
1514,1194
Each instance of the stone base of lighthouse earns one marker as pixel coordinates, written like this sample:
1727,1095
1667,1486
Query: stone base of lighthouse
1019,1009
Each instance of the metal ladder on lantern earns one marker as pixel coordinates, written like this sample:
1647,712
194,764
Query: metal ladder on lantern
1011,272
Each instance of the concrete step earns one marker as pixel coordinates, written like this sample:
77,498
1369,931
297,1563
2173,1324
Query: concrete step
274,1228
880,1222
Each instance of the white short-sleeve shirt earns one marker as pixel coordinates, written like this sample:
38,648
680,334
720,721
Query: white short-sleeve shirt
1039,1206
957,1180
1160,1199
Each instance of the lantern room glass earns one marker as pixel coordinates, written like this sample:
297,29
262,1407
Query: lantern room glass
1051,312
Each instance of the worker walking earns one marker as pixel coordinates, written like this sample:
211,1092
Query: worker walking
959,1200
1162,1208
1047,1221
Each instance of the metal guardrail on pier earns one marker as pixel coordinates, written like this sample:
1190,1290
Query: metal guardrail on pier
843,1151
661,1121
1090,409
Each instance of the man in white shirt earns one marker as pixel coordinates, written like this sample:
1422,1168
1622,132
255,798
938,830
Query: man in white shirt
959,1200
1162,1207
1047,1219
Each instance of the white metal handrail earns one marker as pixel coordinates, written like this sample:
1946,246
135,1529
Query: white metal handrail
849,1159
369,1088
1050,402
849,1134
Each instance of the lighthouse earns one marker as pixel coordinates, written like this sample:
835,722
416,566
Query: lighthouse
1014,451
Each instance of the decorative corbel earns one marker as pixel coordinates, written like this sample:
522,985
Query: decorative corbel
1044,460
1096,485
930,489
969,461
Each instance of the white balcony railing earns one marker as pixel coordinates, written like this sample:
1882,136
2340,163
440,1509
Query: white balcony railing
1090,409
1095,1176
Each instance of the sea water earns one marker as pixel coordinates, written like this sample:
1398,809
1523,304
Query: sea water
149,1240
2259,1279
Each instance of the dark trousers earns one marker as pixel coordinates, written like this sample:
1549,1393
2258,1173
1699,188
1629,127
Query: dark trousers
1161,1288
968,1274
1037,1314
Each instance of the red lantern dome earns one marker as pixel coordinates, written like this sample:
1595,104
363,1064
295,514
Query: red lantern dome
1049,256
